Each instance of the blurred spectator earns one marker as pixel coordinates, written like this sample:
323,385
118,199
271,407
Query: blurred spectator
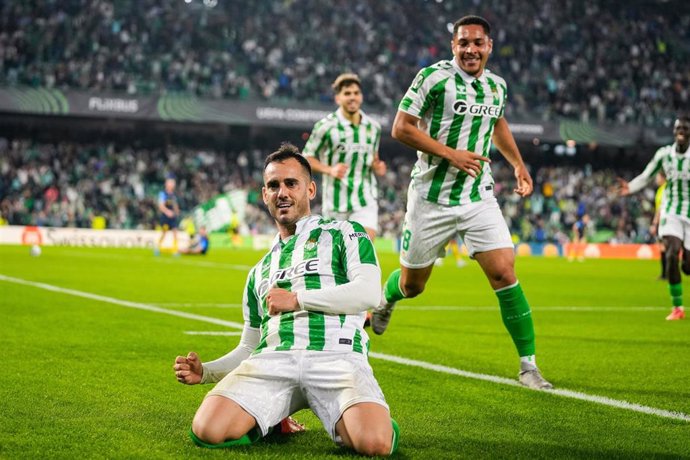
67,184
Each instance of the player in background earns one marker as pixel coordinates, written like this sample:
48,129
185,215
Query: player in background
579,240
344,148
198,244
674,223
303,344
451,113
453,247
660,180
170,213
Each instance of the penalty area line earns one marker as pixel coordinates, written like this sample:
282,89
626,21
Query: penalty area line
603,400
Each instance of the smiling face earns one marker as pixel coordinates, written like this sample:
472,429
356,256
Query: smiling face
471,48
350,98
681,133
286,192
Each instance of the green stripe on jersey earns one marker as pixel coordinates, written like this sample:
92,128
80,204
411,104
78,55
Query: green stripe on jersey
286,331
317,323
366,248
474,137
351,180
254,317
265,273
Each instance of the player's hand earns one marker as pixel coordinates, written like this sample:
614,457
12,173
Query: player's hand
279,300
169,213
466,161
524,181
623,189
338,171
188,369
379,167
652,230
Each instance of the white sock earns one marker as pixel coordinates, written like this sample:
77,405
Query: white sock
528,363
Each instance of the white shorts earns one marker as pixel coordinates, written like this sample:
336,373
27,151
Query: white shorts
428,228
271,386
672,225
368,216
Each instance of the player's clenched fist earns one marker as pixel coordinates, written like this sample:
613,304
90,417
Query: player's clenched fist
279,300
188,369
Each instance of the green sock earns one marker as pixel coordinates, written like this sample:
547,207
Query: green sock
391,289
396,436
249,438
517,318
676,291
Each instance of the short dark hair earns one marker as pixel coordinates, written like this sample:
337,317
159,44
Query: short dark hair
345,79
683,118
285,152
471,19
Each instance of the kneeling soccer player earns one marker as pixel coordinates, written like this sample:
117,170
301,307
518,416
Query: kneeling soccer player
304,307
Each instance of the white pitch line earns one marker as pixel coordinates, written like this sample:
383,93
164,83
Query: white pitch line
620,404
225,333
395,359
536,308
123,303
197,305
162,259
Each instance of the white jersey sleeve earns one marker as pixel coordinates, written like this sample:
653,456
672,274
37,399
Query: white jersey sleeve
647,175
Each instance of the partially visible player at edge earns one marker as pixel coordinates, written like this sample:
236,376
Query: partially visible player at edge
450,114
344,147
654,227
303,345
170,212
674,226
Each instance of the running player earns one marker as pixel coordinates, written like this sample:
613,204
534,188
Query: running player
344,147
674,225
451,113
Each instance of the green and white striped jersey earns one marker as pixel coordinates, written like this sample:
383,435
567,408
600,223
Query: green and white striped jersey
335,140
322,253
676,168
459,111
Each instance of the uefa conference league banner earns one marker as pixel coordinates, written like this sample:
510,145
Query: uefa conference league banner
185,108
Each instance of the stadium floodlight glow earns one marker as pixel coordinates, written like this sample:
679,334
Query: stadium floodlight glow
210,3
188,1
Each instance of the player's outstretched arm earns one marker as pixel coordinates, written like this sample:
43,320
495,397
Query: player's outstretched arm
623,188
405,130
504,141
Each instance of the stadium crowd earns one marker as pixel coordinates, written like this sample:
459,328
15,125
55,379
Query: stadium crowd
69,184
621,62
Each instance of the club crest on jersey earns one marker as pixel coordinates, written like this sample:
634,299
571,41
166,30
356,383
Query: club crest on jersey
482,110
310,245
306,267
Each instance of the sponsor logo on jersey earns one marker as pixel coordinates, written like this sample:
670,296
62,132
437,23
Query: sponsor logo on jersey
482,110
352,236
345,341
306,267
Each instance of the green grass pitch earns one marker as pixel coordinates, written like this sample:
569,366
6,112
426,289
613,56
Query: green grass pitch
87,378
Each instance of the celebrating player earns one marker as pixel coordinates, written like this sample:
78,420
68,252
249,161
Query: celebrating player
344,147
450,114
674,225
303,344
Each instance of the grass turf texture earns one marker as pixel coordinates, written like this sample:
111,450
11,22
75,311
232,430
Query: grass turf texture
84,378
